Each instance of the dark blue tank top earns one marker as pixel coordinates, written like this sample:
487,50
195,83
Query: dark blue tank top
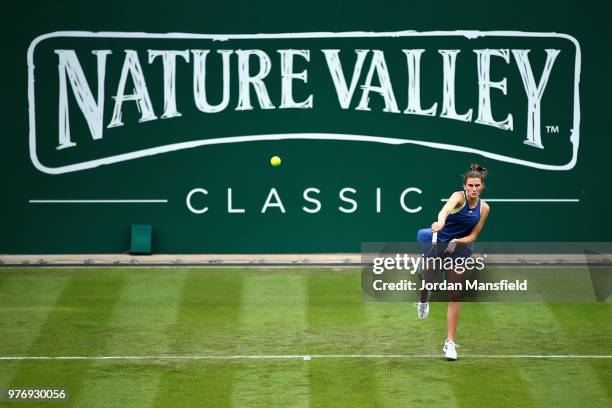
461,223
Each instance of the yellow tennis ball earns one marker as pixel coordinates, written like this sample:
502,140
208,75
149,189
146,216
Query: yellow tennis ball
275,161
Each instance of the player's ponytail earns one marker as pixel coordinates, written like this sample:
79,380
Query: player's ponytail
476,171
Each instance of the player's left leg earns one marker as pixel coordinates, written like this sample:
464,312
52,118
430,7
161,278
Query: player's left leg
452,319
452,316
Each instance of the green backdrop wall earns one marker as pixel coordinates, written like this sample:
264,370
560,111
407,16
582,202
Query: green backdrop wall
149,138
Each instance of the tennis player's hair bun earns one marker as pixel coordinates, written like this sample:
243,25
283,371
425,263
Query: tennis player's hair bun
476,171
475,167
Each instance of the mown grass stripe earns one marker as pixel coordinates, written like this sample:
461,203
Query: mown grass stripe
207,322
504,384
398,381
139,322
594,378
337,320
77,324
272,317
24,308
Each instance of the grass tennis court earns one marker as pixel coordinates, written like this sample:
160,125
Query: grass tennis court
227,336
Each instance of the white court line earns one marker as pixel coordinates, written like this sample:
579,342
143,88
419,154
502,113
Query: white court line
528,200
310,356
94,201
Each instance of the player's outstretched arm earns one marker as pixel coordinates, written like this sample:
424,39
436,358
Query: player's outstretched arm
454,201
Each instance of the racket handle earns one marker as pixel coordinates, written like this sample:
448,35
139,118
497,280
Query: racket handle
434,238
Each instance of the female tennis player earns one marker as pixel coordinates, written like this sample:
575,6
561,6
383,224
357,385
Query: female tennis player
458,225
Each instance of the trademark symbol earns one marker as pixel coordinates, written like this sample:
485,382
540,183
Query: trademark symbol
552,129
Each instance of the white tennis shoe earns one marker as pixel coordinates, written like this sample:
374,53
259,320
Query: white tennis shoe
422,310
450,350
